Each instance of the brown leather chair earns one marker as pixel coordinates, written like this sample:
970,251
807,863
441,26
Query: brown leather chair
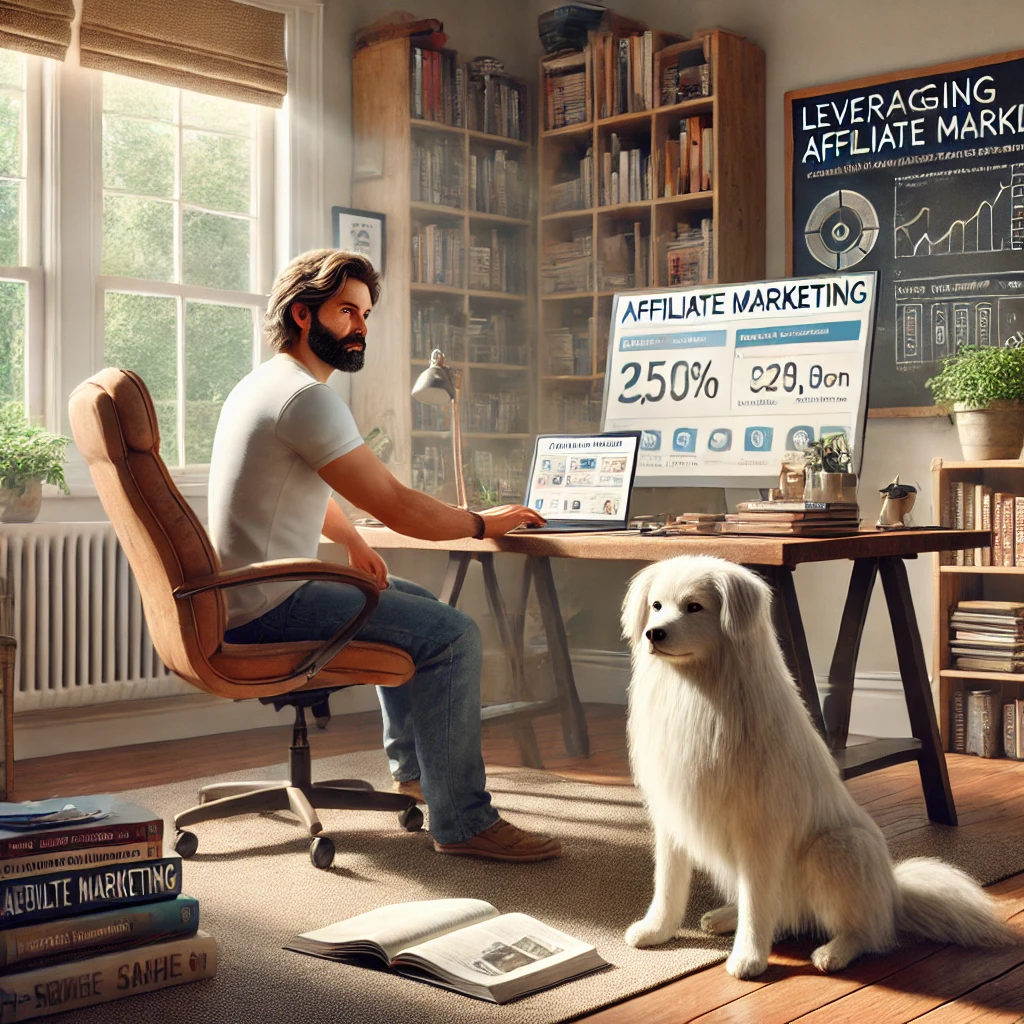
181,582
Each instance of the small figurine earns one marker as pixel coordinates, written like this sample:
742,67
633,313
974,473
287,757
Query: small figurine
898,501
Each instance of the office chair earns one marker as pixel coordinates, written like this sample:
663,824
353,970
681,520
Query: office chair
181,582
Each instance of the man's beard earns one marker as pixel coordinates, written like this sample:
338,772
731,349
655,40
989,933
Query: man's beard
327,346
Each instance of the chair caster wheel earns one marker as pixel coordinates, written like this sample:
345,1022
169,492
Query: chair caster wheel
411,819
321,852
185,843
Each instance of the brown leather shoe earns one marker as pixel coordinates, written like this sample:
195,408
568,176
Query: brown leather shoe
503,841
410,788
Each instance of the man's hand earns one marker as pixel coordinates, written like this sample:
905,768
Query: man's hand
361,556
502,518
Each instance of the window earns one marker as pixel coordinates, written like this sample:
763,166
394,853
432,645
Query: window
185,237
20,276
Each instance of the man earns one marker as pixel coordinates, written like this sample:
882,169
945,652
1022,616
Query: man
284,441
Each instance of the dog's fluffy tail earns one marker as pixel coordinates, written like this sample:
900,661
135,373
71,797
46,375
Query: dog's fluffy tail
938,901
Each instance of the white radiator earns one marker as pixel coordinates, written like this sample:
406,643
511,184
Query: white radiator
82,637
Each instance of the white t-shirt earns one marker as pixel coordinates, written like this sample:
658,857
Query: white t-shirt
266,500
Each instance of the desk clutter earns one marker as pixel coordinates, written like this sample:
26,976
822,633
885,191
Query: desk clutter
774,518
90,909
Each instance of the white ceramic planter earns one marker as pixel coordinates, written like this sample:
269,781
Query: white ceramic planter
996,432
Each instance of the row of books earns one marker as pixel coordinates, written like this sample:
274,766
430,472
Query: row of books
438,255
623,72
565,90
496,105
625,259
502,412
430,469
499,183
574,193
497,261
985,723
970,506
437,167
684,72
690,255
497,338
689,158
436,86
568,266
567,350
431,417
91,909
574,411
625,173
436,325
987,636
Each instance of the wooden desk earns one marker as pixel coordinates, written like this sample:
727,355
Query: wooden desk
874,553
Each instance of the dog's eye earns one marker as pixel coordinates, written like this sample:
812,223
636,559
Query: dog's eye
656,606
694,607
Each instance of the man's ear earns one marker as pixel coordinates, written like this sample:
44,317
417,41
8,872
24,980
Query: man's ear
300,314
634,605
745,599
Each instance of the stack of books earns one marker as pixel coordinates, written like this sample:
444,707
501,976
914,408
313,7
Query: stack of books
794,518
689,254
575,189
499,184
90,910
625,172
987,636
683,72
565,90
436,85
437,170
566,266
986,723
688,158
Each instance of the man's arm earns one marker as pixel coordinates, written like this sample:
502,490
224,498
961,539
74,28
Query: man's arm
366,482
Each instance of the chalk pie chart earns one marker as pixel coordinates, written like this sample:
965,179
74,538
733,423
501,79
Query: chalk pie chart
841,230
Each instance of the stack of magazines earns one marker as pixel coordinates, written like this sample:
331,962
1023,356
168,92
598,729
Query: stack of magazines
794,518
90,909
987,636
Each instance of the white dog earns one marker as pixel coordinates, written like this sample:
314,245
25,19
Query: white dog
738,782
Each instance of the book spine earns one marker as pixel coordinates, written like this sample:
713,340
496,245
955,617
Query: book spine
50,863
1007,524
958,515
100,979
44,897
80,839
1019,728
1010,729
959,729
986,524
997,529
969,492
1018,531
35,944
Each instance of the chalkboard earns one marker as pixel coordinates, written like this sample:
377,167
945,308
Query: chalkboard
920,176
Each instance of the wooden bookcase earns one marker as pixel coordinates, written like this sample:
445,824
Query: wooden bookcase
386,139
955,583
735,203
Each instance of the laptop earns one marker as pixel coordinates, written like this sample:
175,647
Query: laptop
582,482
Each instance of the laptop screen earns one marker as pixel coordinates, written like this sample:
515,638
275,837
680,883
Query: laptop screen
585,478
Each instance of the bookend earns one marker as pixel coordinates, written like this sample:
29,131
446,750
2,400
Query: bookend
298,793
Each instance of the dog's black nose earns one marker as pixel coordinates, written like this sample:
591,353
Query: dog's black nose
655,635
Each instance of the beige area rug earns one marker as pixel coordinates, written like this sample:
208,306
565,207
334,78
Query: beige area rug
257,888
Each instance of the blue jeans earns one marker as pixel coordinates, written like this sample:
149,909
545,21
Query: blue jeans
432,722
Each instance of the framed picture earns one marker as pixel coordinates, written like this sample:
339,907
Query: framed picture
360,231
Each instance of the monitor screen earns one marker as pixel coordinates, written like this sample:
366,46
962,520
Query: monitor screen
583,477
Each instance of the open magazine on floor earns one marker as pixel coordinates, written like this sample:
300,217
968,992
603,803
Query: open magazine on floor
461,944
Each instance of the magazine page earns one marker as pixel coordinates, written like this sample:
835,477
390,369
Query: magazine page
394,927
505,956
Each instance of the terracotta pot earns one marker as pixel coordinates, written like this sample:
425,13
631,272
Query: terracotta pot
21,506
996,432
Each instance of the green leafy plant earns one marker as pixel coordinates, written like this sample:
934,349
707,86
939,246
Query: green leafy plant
980,375
29,452
829,454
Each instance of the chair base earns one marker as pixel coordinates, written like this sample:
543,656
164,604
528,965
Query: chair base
298,795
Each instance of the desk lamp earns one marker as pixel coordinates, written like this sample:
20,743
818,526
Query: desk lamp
439,384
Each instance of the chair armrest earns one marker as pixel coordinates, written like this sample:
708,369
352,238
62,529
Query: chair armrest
298,569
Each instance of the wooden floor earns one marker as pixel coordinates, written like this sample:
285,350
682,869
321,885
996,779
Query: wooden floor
927,983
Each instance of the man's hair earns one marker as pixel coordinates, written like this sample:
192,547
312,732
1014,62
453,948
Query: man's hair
312,279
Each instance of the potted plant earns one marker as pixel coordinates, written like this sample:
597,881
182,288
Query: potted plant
828,470
983,386
29,457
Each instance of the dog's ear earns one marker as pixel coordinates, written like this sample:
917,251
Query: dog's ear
745,598
634,605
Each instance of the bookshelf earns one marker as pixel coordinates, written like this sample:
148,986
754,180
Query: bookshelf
584,247
956,581
457,192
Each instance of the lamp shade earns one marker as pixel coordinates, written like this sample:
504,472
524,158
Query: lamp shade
436,384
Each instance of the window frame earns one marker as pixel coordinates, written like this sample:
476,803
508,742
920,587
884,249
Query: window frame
261,261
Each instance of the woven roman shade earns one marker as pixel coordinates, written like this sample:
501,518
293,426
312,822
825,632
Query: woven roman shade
218,47
41,27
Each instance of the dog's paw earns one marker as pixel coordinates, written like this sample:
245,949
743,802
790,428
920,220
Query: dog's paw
745,965
721,921
648,933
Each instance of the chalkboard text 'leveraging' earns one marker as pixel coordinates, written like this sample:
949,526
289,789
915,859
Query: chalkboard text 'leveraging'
746,300
958,110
